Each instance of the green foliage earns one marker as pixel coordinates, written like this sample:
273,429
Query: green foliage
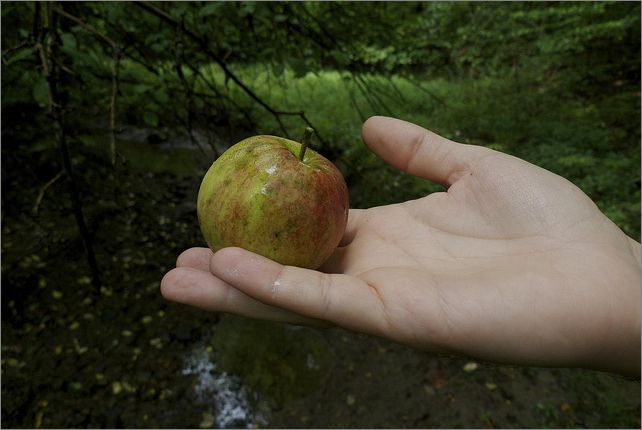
554,83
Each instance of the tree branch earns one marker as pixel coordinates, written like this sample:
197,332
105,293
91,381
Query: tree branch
87,27
55,110
41,193
221,63
115,62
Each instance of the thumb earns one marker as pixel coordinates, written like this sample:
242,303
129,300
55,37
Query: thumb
419,152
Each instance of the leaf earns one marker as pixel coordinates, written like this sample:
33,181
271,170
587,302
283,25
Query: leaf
20,55
209,9
68,42
471,366
151,118
40,92
162,97
341,58
277,69
141,88
247,8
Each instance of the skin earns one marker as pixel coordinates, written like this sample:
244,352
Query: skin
512,264
260,196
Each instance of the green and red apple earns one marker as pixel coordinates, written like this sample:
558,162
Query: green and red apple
275,197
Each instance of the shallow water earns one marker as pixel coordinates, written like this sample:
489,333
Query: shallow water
224,393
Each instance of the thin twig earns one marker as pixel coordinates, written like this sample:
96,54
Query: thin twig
115,62
23,44
56,113
228,73
42,191
430,93
87,27
178,66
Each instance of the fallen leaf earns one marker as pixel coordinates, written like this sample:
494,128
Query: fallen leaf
350,400
207,422
491,386
39,416
439,382
128,387
429,390
15,363
471,366
565,407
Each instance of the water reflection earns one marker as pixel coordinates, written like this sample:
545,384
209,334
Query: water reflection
223,394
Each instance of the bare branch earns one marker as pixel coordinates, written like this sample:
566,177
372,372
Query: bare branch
56,112
221,63
42,191
86,26
115,62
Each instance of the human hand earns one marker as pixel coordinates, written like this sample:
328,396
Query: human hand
512,264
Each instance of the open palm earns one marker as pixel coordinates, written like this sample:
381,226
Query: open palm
513,264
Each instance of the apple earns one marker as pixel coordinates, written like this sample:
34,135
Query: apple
275,197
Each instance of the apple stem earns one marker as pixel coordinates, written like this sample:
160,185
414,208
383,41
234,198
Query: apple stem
306,141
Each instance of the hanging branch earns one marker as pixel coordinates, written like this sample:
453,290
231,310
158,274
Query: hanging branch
55,110
178,66
204,45
432,95
218,93
87,27
115,62
353,100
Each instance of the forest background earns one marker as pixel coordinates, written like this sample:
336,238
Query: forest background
111,114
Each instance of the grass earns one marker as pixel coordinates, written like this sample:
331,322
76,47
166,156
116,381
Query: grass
595,144
592,140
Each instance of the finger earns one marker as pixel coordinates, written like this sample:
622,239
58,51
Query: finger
201,289
351,227
417,151
197,258
339,299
